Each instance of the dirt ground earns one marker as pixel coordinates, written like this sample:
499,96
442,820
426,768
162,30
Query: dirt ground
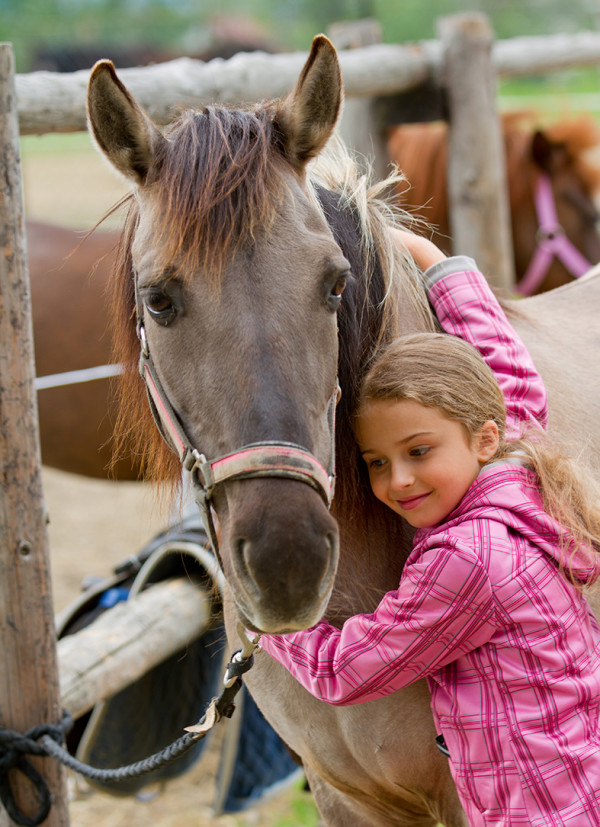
95,524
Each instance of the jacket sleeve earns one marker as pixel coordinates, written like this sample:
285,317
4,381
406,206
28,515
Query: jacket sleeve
466,307
442,608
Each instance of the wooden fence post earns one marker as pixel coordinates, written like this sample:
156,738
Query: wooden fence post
29,693
358,127
477,187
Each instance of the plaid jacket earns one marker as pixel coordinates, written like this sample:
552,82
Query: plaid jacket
510,649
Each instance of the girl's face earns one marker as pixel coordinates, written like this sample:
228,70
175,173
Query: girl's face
421,463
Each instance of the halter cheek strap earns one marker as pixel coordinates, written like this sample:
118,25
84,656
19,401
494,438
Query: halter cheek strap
262,459
551,242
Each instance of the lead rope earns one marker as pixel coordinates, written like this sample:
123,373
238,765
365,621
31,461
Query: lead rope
47,740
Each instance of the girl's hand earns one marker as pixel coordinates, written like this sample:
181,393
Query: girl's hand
424,251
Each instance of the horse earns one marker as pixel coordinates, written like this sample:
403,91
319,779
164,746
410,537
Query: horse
69,275
256,275
552,183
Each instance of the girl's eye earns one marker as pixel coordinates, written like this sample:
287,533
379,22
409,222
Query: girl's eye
375,464
419,451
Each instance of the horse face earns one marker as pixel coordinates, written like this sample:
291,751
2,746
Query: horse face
248,354
238,367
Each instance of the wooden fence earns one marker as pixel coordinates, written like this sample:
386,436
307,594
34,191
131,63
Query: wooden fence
453,77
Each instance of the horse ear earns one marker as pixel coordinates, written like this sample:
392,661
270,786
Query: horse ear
306,118
119,126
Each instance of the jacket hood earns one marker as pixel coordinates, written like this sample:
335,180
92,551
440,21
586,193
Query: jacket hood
507,492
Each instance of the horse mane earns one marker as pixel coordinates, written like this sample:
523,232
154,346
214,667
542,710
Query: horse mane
217,185
385,290
421,152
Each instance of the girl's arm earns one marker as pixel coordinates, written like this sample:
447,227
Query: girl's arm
442,609
466,307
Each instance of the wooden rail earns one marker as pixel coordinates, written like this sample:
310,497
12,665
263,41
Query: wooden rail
55,102
128,640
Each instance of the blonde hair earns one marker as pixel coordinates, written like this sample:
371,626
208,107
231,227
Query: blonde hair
444,372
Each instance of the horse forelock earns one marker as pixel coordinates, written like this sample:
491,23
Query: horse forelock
216,180
215,183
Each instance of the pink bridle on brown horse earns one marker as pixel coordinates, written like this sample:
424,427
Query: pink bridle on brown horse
551,242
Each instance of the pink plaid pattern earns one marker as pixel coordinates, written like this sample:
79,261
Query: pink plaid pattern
510,650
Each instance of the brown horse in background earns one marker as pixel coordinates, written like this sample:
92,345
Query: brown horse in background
559,151
69,275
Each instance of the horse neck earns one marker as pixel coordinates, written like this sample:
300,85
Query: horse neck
374,541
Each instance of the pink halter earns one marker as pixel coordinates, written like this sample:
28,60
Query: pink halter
551,242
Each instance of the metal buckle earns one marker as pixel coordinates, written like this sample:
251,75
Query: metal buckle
194,461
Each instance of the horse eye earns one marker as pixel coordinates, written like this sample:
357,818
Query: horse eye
339,286
335,297
160,307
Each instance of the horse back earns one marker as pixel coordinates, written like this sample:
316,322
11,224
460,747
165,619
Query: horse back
561,331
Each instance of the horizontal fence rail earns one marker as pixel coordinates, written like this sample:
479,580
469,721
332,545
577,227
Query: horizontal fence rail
128,640
55,102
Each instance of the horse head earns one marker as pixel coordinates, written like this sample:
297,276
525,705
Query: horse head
226,261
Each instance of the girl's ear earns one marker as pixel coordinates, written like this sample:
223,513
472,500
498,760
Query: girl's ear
487,440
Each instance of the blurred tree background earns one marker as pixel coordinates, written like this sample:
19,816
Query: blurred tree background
176,27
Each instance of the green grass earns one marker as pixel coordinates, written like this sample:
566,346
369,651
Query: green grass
304,813
55,143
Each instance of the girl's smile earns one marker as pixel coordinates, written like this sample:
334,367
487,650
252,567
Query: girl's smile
421,463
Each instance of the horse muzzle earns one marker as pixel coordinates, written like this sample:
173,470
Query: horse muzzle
279,552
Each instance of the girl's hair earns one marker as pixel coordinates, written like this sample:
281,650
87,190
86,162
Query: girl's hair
442,371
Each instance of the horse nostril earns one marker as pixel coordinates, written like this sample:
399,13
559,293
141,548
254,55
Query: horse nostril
242,548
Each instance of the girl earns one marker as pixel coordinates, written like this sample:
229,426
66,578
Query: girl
489,607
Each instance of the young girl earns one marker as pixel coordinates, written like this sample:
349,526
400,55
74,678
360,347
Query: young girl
489,607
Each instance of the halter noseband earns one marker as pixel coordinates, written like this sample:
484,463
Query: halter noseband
260,459
551,242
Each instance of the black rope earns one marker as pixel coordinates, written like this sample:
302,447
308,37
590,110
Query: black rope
47,740
14,746
224,706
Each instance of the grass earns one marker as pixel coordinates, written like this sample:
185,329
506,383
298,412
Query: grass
55,142
303,810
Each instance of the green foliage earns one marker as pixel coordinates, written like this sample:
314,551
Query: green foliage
169,24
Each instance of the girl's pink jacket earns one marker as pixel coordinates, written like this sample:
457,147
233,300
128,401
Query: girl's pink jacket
510,649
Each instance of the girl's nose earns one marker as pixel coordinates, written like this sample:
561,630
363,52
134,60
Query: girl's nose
401,477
